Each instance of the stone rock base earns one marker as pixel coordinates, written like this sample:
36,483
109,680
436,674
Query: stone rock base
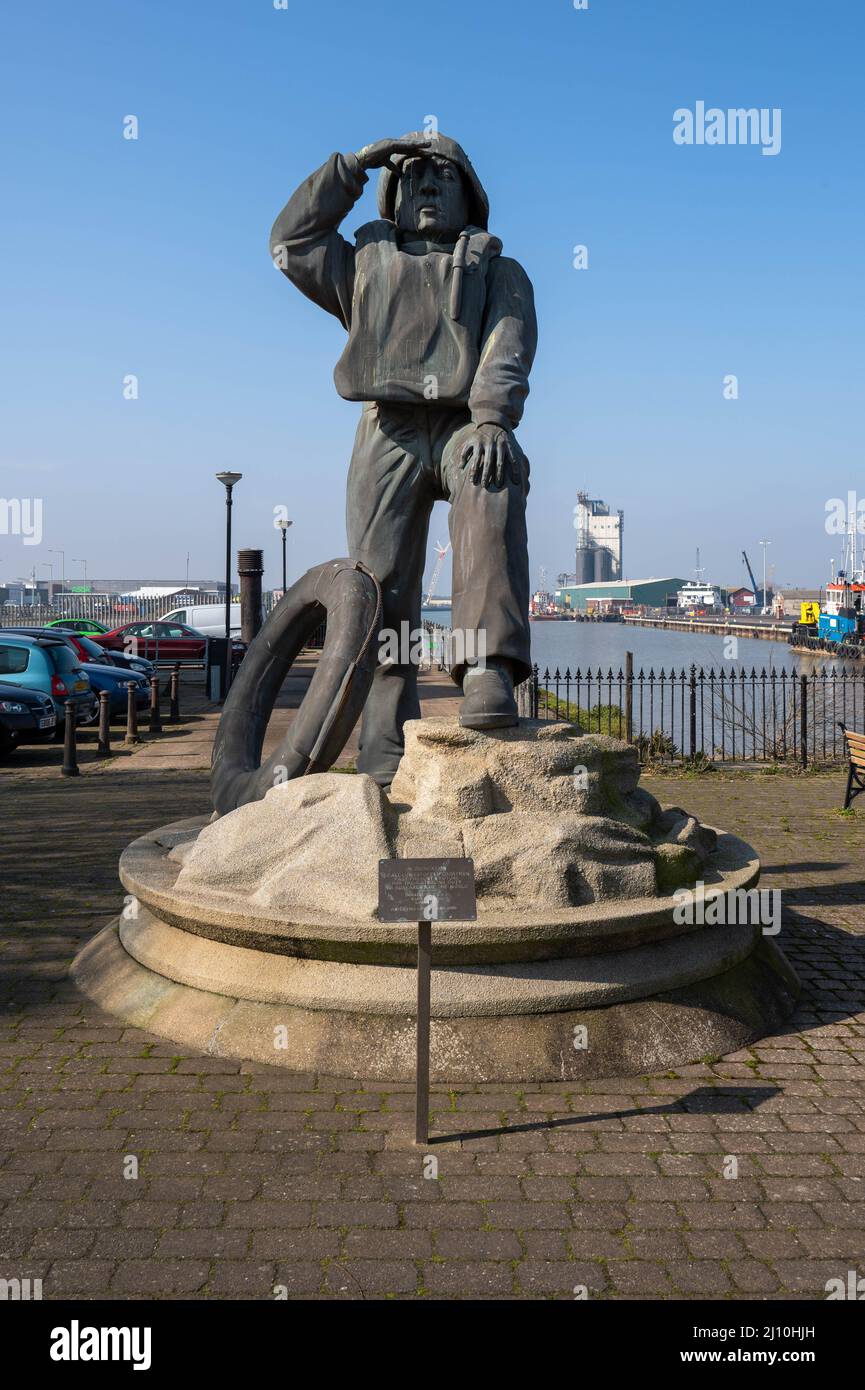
708,1018
612,936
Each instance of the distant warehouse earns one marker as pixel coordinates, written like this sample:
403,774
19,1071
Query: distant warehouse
620,593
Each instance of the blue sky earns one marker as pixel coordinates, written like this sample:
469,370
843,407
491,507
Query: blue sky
150,257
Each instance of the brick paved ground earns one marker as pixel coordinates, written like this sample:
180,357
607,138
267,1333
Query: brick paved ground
251,1177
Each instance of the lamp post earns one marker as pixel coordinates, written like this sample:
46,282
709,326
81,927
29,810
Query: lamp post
83,606
62,554
764,545
283,526
228,480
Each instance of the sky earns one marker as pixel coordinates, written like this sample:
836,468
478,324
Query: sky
149,258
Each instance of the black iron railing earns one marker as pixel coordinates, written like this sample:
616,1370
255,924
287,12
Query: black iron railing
701,715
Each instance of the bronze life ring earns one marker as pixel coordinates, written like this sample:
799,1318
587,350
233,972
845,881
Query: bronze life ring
348,595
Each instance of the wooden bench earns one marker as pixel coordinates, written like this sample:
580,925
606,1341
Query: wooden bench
856,754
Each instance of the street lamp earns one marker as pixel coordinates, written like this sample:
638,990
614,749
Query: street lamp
228,480
283,526
764,544
62,554
84,563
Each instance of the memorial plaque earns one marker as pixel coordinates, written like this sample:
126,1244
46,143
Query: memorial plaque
432,890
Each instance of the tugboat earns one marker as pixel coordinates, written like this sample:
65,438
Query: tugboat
543,609
838,627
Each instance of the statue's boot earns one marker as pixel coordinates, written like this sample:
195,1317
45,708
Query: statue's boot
488,697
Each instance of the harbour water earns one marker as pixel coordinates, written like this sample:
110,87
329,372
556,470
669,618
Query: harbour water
603,645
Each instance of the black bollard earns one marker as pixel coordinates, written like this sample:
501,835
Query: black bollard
250,569
104,744
174,707
155,717
70,752
131,716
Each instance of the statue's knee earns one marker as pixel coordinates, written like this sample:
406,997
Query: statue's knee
495,505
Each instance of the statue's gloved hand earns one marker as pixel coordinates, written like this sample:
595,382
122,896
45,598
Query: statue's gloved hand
491,453
381,153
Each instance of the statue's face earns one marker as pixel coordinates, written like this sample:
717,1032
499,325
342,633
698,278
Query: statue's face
431,198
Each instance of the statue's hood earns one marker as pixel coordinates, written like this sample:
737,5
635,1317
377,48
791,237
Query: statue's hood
445,148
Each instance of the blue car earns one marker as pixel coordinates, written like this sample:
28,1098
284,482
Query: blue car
117,681
88,650
49,665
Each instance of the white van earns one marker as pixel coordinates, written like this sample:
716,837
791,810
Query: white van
207,618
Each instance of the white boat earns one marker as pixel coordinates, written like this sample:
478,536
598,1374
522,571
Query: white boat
696,595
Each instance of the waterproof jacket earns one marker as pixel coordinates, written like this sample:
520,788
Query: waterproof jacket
426,323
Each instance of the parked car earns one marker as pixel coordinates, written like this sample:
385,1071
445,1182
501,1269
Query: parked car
102,672
26,716
85,625
104,676
156,641
162,641
49,665
209,618
90,651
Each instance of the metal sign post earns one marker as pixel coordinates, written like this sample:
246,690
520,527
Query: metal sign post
425,891
424,973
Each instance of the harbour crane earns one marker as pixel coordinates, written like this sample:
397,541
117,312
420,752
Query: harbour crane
754,585
441,552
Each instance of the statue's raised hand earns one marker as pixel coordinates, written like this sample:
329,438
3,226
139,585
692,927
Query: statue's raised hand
380,154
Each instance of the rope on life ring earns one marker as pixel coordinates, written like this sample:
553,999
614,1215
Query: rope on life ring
348,595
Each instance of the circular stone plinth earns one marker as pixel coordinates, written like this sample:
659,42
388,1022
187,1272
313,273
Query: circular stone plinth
494,990
257,936
149,872
710,1017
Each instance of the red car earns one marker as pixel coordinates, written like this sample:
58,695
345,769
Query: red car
156,641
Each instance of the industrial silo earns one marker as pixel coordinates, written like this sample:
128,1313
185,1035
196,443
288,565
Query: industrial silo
585,565
603,567
599,540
